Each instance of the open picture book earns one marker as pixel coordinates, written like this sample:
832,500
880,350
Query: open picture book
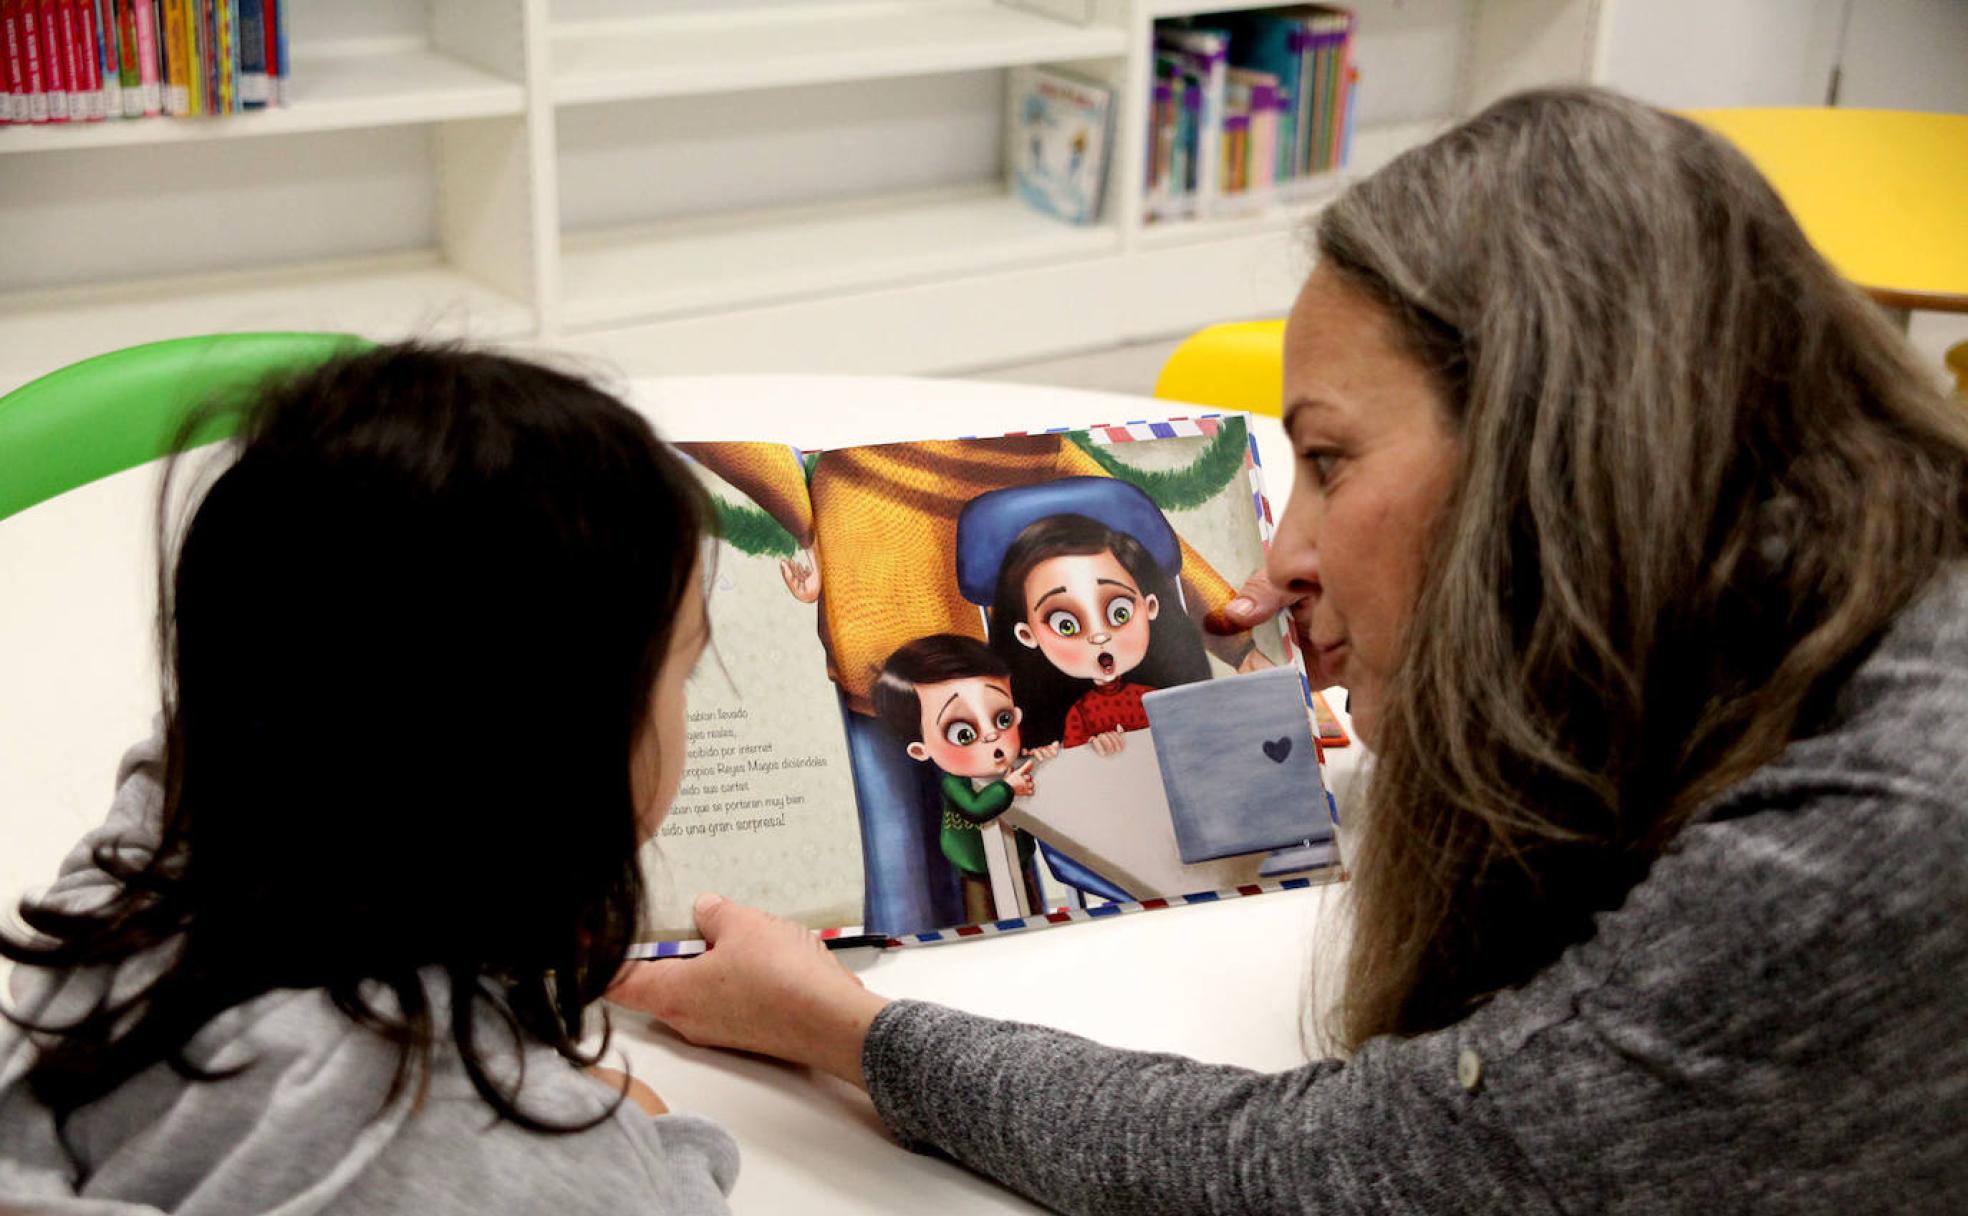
968,686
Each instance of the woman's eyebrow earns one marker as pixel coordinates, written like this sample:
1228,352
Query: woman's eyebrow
1114,582
1300,406
1048,595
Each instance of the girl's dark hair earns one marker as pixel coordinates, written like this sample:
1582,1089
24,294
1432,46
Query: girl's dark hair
409,643
1175,646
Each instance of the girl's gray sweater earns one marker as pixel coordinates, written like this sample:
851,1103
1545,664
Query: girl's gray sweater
1775,1020
302,1129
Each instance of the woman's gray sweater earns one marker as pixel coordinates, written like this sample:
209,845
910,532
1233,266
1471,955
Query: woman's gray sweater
1775,1020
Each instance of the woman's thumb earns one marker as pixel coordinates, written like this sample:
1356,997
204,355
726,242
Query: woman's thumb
710,911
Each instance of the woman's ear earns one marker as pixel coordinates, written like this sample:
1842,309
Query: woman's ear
1023,633
917,751
1154,605
1017,715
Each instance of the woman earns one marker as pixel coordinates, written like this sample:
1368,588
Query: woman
1638,539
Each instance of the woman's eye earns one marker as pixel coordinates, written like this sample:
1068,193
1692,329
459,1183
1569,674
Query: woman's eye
1004,719
963,734
1120,610
1064,623
1321,461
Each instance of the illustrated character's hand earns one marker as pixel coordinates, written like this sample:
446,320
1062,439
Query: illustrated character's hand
1108,742
1020,780
1258,601
1043,754
766,985
802,575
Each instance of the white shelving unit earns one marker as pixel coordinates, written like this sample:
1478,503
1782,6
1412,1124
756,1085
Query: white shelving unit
689,185
718,51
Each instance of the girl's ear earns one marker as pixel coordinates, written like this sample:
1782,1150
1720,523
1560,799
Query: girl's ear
1154,605
1017,715
1023,633
917,751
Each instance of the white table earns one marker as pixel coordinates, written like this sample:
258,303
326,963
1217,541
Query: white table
1226,982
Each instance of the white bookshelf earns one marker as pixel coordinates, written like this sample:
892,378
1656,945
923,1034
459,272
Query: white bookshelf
333,90
719,51
802,253
690,186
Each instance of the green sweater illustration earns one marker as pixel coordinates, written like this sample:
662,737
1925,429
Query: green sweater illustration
965,807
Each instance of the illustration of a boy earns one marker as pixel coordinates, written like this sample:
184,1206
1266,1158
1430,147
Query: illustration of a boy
948,699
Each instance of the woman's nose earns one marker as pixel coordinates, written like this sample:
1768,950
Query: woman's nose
1100,639
1293,563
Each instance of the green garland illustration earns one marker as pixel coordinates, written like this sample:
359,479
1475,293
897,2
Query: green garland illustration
751,531
1179,489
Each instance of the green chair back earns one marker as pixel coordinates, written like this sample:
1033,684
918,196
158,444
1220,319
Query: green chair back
124,408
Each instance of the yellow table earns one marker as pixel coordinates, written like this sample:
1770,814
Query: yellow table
1883,194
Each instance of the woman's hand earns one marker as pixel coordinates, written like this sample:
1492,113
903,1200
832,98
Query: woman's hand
766,985
1258,601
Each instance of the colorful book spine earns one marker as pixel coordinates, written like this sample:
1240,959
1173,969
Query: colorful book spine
14,109
83,88
1236,152
205,61
1206,56
33,72
129,57
225,62
1263,158
144,13
54,57
277,65
1159,135
87,49
177,88
109,57
253,83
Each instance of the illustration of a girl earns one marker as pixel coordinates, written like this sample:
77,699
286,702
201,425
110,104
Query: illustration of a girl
1089,621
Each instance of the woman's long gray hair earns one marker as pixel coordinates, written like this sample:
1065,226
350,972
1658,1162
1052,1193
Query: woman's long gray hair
1699,474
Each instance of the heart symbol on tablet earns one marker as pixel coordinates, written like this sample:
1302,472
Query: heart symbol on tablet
1278,749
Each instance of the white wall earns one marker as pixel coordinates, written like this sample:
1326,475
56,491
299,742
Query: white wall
1896,54
1907,55
1699,53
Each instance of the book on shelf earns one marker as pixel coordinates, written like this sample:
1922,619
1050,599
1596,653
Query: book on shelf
45,26
963,687
89,60
1280,122
1059,142
1198,58
253,83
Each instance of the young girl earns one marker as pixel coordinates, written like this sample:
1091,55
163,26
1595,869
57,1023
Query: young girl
1075,614
424,646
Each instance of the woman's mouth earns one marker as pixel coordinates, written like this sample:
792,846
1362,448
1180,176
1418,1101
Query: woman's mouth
1331,660
1106,662
997,754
